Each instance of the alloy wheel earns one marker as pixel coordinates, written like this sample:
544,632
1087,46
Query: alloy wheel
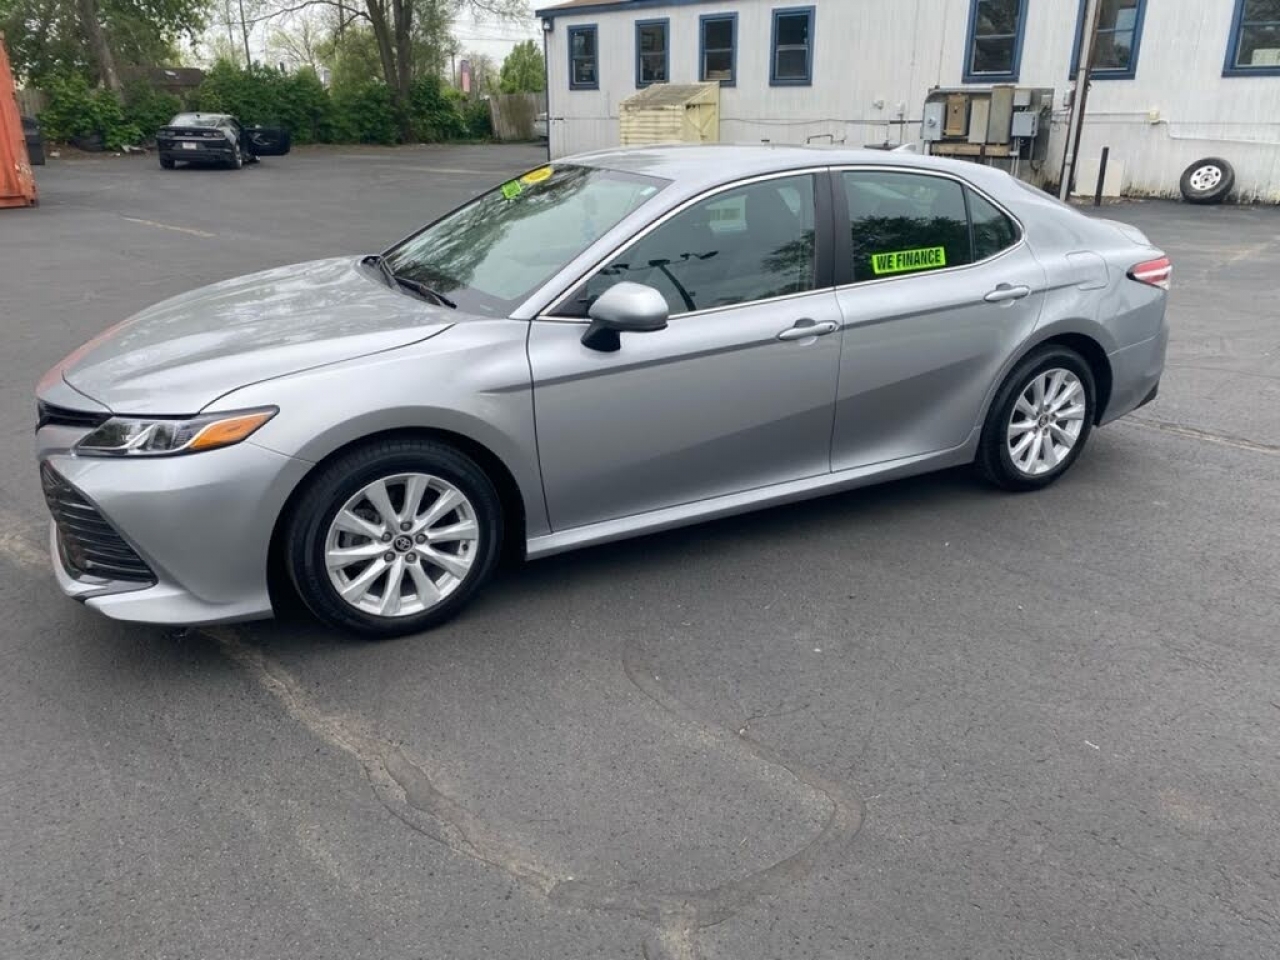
1046,421
401,545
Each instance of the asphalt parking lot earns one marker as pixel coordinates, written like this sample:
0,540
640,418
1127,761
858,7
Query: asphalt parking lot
922,720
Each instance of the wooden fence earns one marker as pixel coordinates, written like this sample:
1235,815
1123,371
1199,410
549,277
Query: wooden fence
31,102
513,114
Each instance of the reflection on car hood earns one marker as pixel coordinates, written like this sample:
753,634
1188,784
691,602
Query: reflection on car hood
182,354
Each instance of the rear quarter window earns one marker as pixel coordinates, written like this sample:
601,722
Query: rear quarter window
993,230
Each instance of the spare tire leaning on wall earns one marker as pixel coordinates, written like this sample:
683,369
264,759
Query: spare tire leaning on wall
1207,181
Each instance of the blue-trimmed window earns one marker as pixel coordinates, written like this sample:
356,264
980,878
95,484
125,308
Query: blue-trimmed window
1115,55
584,57
1254,47
791,50
653,51
718,48
993,48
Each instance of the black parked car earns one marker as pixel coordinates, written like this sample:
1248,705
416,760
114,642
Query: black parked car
217,139
35,142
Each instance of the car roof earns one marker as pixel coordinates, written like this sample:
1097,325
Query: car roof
697,166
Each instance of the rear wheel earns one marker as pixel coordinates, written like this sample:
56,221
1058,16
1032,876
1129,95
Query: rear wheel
237,158
1039,420
394,537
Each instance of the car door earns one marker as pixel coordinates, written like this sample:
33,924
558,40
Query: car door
267,141
937,290
737,391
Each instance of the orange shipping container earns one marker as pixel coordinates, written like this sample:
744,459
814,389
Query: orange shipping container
17,183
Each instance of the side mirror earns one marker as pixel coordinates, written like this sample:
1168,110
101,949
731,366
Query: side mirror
624,308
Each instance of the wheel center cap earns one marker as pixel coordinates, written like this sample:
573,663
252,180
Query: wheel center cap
403,544
1043,420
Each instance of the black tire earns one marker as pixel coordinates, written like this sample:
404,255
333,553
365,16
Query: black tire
1207,181
995,459
166,162
329,489
237,158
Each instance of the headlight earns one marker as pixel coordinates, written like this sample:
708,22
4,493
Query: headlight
158,436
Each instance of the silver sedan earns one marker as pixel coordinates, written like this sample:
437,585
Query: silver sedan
610,345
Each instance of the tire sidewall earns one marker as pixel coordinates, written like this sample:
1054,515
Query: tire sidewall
998,462
341,481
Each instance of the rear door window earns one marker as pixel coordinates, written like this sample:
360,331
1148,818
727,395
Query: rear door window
905,223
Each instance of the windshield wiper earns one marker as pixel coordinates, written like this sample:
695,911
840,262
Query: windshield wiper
417,286
420,288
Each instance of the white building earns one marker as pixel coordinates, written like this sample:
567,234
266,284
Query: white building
1175,81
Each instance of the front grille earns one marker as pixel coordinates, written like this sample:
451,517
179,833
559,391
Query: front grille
48,415
90,545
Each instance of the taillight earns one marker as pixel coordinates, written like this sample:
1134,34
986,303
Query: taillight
1157,273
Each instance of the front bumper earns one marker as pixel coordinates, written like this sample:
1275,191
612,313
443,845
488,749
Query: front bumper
202,524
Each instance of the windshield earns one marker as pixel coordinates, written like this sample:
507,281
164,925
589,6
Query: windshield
194,120
491,254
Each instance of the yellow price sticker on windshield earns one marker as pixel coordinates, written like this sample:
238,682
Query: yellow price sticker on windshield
536,176
902,261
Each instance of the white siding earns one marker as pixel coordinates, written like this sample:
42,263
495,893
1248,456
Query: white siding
870,51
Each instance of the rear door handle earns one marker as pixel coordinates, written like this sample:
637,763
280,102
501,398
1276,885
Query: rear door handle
1005,292
806,328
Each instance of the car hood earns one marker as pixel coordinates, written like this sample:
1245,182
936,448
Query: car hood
182,354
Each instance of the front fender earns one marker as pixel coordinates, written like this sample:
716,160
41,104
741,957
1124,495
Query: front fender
472,380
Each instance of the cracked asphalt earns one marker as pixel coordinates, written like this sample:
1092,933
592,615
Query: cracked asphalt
922,720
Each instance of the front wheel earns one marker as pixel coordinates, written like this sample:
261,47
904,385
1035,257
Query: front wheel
1039,420
166,162
394,537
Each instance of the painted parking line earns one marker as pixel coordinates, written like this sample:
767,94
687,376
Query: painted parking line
1204,436
168,226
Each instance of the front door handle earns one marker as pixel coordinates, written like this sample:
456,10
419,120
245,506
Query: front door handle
806,329
1004,292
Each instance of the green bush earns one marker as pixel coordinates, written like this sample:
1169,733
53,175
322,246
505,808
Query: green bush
250,95
303,106
479,123
149,109
363,114
76,111
435,111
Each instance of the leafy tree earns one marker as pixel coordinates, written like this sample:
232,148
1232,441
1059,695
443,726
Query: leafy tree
410,37
524,70
95,37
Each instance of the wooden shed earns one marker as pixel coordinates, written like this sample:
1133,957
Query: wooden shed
671,113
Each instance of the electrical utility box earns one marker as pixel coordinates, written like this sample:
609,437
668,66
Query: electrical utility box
1002,121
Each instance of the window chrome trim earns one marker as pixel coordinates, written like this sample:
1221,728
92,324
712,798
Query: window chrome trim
549,312
945,175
